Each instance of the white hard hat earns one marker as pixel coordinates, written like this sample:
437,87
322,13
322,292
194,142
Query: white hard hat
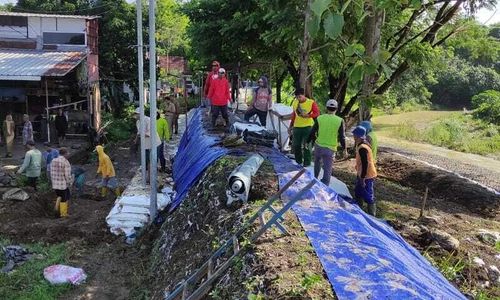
222,70
332,103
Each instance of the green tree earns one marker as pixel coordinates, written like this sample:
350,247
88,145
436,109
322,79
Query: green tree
487,106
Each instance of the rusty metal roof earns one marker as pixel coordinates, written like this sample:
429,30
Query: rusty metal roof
32,65
22,14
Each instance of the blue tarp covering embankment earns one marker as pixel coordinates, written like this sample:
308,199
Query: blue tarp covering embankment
363,257
197,151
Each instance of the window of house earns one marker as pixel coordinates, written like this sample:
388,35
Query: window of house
14,21
64,38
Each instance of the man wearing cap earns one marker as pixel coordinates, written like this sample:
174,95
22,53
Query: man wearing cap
327,131
148,142
32,164
365,169
213,75
304,112
371,137
219,97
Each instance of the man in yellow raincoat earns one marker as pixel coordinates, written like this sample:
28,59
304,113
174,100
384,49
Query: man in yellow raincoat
107,172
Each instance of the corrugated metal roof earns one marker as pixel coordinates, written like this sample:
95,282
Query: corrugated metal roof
21,14
32,65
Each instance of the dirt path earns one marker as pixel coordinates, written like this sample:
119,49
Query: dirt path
482,169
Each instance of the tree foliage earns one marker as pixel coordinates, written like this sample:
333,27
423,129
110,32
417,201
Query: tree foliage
487,106
412,34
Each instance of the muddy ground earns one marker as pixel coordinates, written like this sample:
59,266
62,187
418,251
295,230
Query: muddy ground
276,267
109,263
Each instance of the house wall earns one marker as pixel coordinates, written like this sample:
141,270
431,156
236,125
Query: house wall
38,25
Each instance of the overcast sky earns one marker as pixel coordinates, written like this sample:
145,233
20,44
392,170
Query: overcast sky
484,15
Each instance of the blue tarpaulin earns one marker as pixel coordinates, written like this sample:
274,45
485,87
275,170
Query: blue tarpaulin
363,257
197,151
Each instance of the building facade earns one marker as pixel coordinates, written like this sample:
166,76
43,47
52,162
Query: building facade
47,63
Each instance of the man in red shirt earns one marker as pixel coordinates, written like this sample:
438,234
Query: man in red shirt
219,97
210,77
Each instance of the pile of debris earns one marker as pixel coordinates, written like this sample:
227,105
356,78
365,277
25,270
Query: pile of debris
14,257
7,180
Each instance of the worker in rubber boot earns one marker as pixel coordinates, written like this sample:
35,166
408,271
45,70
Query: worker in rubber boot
365,170
107,171
371,138
327,132
32,164
220,97
164,133
62,179
304,112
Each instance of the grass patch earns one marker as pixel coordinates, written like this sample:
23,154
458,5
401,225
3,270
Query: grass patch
497,246
43,184
457,132
450,265
27,282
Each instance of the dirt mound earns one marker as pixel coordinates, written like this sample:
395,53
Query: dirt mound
276,267
441,184
201,223
35,221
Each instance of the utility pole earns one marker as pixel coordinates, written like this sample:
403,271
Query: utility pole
140,64
152,97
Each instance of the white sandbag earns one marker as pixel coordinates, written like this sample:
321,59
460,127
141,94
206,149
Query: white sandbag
60,274
130,217
15,194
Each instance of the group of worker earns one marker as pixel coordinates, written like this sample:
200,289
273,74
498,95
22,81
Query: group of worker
61,174
9,130
325,131
217,96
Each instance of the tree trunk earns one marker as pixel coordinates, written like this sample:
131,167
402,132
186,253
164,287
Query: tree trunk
279,85
337,88
372,37
290,66
304,51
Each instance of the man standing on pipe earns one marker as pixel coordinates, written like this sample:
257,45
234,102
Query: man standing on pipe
304,112
365,169
327,131
219,97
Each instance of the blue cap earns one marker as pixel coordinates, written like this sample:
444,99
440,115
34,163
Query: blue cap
359,131
367,125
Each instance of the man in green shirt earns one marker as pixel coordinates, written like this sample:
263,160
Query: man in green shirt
328,130
371,138
32,164
163,129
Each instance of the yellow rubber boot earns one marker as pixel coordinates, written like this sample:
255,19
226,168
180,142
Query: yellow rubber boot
58,202
64,209
118,192
104,192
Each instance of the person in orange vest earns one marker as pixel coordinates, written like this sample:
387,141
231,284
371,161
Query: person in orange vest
365,171
304,112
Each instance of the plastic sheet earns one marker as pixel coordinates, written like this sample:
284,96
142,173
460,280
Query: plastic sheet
197,151
363,257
